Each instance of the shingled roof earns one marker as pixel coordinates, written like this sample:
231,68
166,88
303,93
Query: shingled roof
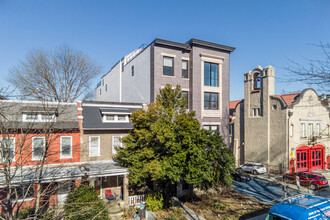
288,98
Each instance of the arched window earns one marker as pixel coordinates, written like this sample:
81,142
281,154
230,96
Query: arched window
256,81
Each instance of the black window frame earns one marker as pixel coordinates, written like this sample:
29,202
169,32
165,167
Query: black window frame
209,102
186,97
132,70
164,67
209,73
185,73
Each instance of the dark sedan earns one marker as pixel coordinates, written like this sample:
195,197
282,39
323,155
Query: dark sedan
241,176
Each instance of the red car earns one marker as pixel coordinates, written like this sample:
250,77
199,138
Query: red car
313,180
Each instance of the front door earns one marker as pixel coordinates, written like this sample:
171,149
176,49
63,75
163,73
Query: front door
316,158
62,193
302,160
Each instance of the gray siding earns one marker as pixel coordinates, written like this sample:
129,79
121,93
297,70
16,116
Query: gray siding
137,88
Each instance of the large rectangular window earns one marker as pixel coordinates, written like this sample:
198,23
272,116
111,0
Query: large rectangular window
168,66
185,96
185,69
38,148
211,127
23,193
211,75
94,146
211,101
7,149
66,147
116,143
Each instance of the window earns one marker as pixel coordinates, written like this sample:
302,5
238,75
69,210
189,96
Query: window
185,96
115,118
110,117
168,67
31,116
100,92
106,87
211,127
210,74
38,117
310,130
318,129
7,149
66,147
121,118
303,130
116,143
211,101
185,69
94,146
102,82
133,70
256,112
38,148
24,193
291,130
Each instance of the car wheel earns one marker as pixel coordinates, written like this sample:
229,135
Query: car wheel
255,172
238,178
313,187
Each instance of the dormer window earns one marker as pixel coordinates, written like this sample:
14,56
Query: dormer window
38,117
116,118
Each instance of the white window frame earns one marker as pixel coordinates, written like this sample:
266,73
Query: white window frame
39,118
33,157
104,118
303,130
291,130
65,156
113,141
98,146
13,159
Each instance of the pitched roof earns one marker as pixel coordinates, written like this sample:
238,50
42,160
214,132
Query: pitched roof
288,98
232,106
93,113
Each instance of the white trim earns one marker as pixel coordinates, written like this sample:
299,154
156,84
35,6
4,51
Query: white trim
61,155
116,113
40,102
36,158
168,55
98,147
25,200
206,56
104,119
80,117
80,109
39,117
211,123
185,58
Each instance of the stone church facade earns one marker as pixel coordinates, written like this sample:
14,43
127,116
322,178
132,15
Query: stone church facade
284,132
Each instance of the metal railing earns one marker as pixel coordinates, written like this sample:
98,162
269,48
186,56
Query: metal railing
135,200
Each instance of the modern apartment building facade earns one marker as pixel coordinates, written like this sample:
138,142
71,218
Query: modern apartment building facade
201,69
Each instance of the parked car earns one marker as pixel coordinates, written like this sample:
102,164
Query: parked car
241,176
254,168
312,180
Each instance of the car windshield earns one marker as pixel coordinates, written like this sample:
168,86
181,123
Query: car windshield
259,166
239,171
322,178
273,217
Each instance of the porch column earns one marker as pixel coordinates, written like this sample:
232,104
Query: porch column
125,190
92,182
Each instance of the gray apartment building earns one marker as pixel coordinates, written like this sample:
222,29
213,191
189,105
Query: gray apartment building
201,68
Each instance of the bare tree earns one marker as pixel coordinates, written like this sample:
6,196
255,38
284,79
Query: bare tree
315,72
62,75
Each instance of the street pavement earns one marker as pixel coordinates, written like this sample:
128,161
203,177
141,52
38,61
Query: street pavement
270,189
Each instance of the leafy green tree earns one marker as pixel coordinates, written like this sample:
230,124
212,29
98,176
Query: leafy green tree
83,203
168,146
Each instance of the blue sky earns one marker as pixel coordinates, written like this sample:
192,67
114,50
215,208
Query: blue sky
264,32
